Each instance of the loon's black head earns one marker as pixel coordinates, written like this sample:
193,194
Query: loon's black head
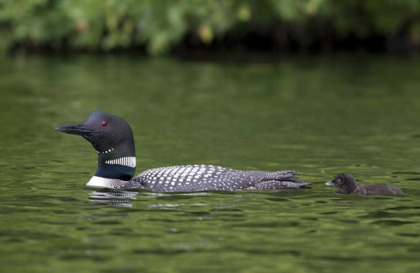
113,140
344,182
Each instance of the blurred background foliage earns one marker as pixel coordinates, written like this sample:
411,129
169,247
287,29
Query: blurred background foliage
160,26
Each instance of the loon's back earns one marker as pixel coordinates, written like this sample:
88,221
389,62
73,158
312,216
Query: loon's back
208,177
181,178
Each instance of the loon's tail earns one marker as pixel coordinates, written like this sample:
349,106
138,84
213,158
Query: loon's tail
283,180
289,183
296,185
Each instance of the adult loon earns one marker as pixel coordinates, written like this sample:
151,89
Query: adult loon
346,184
113,140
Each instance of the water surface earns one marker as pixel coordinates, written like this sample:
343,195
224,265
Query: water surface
320,116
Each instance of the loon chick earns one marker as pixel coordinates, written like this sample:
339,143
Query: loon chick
346,184
113,140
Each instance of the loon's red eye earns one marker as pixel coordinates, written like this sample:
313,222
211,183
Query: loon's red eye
104,124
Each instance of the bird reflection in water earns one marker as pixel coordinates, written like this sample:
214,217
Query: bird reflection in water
111,197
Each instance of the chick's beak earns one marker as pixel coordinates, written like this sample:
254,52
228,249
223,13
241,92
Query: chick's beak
330,184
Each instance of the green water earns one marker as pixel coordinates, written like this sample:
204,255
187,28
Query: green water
320,116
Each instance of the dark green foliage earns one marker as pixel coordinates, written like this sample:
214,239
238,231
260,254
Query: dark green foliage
158,25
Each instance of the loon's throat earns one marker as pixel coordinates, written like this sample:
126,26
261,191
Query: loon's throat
116,166
113,172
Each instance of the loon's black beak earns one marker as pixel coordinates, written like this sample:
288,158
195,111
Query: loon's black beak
75,129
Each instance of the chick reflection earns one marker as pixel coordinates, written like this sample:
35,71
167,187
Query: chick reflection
111,197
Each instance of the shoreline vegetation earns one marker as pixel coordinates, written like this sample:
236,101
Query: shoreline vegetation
184,26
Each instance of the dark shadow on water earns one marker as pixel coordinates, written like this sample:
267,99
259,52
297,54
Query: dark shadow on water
393,222
405,173
413,179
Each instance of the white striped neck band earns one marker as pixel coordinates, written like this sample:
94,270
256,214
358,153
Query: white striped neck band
129,161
